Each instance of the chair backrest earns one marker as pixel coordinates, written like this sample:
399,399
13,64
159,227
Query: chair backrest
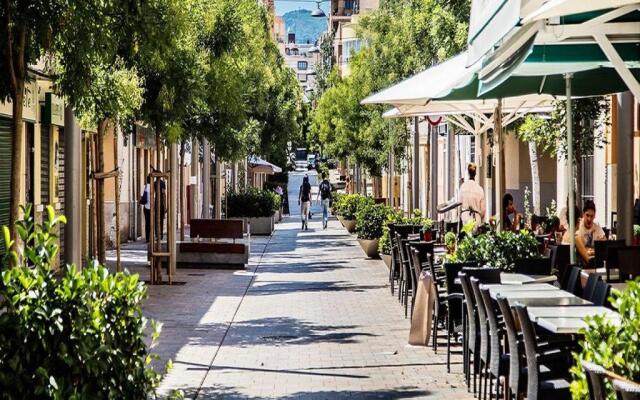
405,229
628,262
530,350
451,271
560,259
495,332
590,287
482,320
533,266
484,275
425,249
626,390
416,264
469,302
595,375
572,284
513,343
601,294
600,250
611,252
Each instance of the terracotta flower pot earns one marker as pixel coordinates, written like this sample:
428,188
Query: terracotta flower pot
387,260
370,247
636,240
427,236
350,224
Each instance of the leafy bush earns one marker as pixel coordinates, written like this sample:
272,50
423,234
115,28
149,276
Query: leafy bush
497,249
79,335
393,217
370,220
252,203
636,230
350,203
613,346
450,240
427,224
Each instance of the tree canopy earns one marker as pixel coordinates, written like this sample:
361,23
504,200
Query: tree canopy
400,38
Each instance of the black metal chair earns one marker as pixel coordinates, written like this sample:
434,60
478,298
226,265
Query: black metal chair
611,258
595,375
590,287
626,390
600,295
560,260
482,274
471,334
600,248
394,271
498,358
483,328
533,266
421,257
407,277
572,283
628,262
514,381
454,299
537,387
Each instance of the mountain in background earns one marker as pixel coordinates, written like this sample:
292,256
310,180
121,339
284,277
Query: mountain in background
307,28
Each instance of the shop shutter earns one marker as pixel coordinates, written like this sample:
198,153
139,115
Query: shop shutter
5,173
44,165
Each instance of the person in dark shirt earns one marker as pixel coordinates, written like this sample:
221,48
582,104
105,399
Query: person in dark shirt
304,200
324,194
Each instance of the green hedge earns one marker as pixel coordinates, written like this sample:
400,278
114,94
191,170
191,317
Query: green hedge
252,203
348,205
70,334
370,221
497,249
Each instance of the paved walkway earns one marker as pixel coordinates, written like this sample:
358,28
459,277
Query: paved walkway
310,318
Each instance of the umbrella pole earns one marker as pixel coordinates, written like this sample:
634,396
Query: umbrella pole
570,183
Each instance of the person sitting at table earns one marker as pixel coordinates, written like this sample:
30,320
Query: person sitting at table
510,217
589,230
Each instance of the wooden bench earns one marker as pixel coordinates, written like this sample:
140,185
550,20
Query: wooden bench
213,242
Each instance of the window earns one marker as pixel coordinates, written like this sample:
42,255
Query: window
349,48
303,65
587,178
472,148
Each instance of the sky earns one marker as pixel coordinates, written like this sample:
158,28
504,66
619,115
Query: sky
283,7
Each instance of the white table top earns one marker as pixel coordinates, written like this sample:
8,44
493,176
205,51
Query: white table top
499,288
508,278
513,295
566,325
578,312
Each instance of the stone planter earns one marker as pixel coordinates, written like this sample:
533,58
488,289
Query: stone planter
261,225
370,247
349,224
387,260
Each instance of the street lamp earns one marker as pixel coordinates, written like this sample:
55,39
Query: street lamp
318,12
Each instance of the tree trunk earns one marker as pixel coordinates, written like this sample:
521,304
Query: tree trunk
18,154
102,128
181,172
535,177
117,199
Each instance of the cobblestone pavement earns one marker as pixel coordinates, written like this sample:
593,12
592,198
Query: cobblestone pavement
310,318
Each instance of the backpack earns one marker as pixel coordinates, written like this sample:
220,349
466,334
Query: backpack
325,190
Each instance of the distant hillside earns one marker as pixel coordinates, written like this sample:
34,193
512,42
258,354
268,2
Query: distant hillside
306,27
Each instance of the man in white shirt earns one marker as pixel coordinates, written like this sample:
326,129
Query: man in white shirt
471,195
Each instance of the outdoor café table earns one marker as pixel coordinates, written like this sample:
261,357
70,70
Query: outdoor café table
500,288
563,325
512,295
621,286
508,278
578,312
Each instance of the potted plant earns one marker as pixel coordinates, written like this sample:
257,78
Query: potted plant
497,249
349,206
370,220
257,207
450,242
427,229
384,247
636,235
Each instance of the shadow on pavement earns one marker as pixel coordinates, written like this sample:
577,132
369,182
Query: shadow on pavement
222,392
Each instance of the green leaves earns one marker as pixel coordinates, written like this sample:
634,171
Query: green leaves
614,346
497,249
251,203
370,220
70,334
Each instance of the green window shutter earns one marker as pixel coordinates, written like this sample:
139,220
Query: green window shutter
44,165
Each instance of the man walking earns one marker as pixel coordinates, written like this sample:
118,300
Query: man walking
304,199
324,194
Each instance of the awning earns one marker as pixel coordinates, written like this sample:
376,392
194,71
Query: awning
585,38
431,83
258,165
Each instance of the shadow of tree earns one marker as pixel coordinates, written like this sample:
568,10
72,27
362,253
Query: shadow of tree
406,392
272,288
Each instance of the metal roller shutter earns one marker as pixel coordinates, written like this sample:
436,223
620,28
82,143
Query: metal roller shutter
5,173
44,165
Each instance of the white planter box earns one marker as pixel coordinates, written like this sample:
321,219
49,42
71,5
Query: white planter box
261,226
